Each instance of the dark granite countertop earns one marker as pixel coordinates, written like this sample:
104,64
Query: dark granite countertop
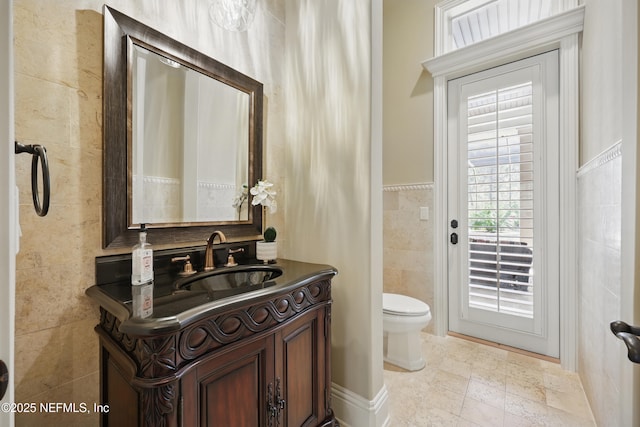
174,309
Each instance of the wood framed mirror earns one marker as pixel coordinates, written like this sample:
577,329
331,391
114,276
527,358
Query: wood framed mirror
182,140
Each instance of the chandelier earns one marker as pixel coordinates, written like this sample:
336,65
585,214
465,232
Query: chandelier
233,15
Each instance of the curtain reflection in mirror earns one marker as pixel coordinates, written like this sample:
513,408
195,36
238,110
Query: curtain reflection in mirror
190,144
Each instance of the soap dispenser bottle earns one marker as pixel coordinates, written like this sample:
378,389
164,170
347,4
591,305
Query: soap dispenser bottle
142,276
142,259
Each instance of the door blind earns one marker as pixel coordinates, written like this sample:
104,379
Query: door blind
500,199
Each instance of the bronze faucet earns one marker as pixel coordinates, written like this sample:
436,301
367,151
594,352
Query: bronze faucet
208,253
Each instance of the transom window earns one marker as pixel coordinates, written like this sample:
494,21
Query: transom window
461,23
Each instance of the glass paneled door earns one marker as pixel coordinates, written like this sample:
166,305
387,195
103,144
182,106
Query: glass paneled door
503,204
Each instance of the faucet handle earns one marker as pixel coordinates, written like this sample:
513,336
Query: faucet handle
231,262
187,269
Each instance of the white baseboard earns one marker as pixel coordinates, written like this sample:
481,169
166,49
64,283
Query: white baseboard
353,410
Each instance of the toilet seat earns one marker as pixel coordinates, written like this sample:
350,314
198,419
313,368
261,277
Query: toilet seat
402,305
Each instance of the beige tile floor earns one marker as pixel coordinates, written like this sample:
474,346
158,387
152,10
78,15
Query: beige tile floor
468,384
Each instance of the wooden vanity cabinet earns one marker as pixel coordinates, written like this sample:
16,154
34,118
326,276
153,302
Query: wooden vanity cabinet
264,364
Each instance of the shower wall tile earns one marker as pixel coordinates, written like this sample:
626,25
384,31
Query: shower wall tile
55,356
599,281
408,242
80,390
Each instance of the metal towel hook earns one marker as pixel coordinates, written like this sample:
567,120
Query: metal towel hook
38,152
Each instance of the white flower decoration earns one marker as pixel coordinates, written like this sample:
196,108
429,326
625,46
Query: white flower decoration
263,195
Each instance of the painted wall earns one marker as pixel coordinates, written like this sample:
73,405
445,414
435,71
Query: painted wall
601,85
407,92
332,201
58,90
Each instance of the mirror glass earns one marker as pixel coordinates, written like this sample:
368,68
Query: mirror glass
182,140
190,144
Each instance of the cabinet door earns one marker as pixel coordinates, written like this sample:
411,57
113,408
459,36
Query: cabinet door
117,394
231,389
300,364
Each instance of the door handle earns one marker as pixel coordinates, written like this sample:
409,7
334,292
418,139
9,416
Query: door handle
630,335
272,409
279,400
454,238
4,379
275,404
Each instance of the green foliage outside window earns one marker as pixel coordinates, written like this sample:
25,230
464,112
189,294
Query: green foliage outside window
488,220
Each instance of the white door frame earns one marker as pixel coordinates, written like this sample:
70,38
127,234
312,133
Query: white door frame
557,32
7,202
629,304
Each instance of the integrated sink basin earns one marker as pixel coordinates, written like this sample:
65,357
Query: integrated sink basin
227,282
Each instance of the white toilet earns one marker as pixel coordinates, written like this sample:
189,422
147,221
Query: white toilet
403,318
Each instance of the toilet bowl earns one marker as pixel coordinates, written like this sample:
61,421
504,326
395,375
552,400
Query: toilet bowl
403,318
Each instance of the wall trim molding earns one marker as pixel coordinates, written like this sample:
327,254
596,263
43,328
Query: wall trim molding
353,410
606,156
406,187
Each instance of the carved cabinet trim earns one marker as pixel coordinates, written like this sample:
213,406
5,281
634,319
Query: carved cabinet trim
156,367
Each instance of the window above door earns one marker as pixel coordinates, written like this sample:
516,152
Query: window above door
461,23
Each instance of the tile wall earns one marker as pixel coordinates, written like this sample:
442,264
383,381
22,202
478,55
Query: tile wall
408,242
58,103
599,225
